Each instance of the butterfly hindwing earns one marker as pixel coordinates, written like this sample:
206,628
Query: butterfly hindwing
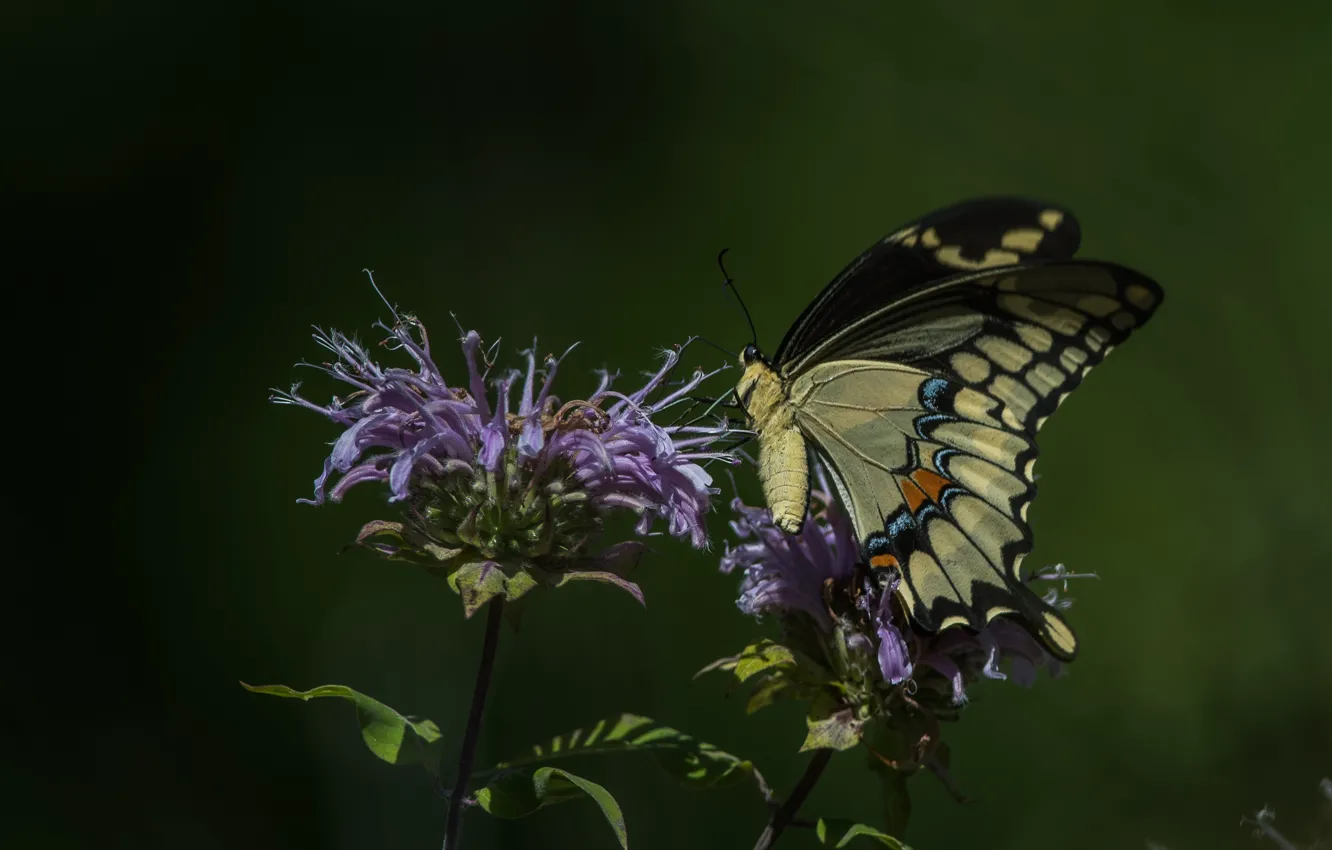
926,465
974,235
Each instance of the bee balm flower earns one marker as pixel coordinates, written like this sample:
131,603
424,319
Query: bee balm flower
502,494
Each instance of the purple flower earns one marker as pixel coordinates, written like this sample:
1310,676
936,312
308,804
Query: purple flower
482,483
786,572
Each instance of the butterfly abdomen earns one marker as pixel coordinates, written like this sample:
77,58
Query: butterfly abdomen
784,473
783,461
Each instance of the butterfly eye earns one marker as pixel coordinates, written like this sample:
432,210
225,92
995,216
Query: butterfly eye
750,354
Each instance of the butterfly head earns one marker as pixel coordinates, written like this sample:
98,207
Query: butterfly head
759,390
752,355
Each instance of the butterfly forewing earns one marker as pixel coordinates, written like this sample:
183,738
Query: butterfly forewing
973,235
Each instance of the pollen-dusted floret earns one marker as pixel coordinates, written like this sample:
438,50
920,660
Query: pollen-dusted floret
501,497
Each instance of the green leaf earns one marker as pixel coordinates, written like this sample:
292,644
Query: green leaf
695,763
478,582
766,655
770,690
520,793
839,832
398,542
395,738
831,725
762,656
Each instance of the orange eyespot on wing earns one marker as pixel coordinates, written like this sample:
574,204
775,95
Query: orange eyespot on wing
884,562
921,486
913,494
930,483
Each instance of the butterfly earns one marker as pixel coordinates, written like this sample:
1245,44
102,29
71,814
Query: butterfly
919,378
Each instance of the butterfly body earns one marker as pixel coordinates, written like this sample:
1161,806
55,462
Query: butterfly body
783,461
919,378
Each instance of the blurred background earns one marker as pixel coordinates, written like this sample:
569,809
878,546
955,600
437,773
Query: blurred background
190,187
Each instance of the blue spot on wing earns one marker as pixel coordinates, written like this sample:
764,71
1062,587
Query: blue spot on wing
933,392
898,524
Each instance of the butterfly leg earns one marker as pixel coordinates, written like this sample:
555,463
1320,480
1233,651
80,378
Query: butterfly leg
713,404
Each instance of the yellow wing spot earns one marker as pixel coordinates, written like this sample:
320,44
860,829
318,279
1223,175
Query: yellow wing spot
1140,296
1026,239
1050,219
1058,636
989,529
930,239
1057,319
1097,338
971,367
976,406
999,488
906,234
1014,395
1072,357
1011,420
1029,473
998,447
951,255
1124,321
1037,339
955,620
1008,355
1097,305
1045,378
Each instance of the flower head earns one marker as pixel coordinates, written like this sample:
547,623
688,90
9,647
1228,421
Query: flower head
846,642
502,493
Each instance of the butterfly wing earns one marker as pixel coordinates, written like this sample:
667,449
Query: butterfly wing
973,235
926,413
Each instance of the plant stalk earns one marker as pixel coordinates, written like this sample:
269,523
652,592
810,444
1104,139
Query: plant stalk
494,619
784,814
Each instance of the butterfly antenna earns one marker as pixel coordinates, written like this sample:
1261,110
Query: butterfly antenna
726,351
731,283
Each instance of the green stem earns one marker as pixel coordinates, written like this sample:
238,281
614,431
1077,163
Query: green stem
494,619
784,814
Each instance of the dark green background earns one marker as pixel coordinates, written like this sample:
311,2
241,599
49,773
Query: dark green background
191,186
